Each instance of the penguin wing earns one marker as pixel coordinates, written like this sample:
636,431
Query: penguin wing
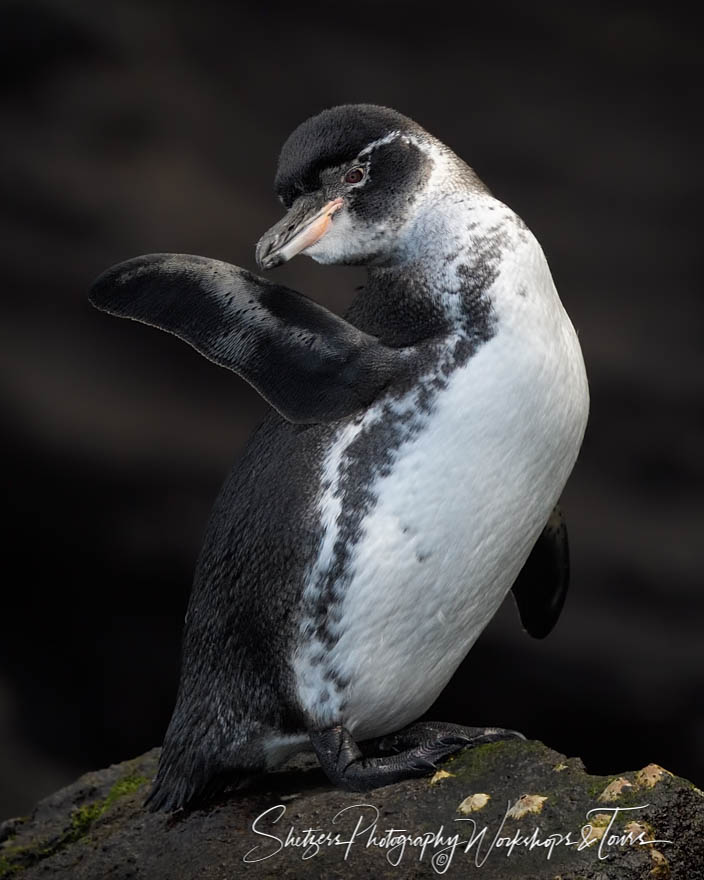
308,363
541,586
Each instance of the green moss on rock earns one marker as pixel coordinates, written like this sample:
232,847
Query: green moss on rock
14,859
97,827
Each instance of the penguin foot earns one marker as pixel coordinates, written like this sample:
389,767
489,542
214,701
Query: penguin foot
443,734
416,750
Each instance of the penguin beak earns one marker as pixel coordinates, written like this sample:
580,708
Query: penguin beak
306,223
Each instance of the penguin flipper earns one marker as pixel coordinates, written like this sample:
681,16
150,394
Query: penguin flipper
541,587
311,365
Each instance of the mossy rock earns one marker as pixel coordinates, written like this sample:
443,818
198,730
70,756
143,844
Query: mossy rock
524,806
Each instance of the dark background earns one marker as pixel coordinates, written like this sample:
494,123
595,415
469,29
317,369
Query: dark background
134,127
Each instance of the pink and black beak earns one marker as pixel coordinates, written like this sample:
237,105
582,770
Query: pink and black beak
306,222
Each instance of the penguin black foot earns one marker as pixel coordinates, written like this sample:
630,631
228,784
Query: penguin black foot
442,734
416,750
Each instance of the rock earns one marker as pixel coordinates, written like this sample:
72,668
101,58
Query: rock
535,815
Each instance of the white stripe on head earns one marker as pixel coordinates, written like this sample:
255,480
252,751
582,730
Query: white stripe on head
380,142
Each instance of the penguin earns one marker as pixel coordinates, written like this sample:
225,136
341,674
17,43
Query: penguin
406,479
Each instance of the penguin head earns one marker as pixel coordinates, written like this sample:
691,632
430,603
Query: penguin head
351,179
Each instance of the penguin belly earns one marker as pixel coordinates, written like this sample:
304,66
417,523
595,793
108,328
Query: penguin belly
449,519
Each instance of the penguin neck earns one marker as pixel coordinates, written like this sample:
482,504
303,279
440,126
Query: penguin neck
443,277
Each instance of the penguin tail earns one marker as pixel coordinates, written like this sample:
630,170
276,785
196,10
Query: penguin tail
196,764
186,784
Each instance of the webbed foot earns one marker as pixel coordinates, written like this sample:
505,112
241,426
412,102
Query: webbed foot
415,752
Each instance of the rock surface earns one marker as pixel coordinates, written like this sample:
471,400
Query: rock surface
528,810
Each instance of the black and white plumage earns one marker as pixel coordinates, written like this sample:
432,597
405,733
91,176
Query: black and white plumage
419,447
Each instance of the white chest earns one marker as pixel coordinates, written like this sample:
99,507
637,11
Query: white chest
453,521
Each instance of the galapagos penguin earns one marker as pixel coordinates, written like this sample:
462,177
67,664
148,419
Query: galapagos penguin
407,478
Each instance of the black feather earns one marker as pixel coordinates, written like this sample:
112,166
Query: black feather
331,138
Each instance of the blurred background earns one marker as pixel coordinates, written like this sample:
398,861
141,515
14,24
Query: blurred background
135,127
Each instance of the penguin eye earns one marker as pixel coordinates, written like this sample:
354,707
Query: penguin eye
354,175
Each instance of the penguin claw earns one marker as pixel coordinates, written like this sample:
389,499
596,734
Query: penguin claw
459,741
